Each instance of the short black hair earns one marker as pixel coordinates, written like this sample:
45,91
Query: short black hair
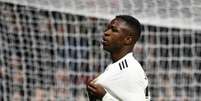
133,23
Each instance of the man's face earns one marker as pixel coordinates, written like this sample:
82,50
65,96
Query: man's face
114,35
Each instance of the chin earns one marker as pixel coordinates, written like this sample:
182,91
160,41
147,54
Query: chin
106,48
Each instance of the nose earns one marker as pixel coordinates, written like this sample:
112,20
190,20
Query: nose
106,33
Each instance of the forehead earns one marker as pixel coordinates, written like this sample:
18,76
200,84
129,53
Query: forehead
119,23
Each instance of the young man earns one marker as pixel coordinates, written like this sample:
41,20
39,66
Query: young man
124,79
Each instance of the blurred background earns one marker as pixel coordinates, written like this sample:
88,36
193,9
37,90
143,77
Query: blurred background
50,48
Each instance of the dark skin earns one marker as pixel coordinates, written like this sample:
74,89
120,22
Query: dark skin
95,91
118,41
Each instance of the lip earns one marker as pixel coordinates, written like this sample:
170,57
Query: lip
104,41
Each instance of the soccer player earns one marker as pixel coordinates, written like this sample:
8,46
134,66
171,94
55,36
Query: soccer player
124,79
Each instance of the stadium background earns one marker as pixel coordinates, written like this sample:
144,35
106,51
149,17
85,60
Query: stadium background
50,48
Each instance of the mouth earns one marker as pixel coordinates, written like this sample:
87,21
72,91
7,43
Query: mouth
104,41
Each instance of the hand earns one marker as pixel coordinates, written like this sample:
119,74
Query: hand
96,89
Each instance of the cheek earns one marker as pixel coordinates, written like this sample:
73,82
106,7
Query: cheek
118,40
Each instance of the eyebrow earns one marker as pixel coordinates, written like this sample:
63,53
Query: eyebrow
114,27
111,26
118,28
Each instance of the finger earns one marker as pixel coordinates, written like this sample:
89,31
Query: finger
94,80
91,88
99,85
90,81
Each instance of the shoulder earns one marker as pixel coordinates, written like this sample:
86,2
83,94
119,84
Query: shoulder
123,64
128,62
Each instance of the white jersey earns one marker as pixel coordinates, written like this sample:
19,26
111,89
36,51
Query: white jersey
124,80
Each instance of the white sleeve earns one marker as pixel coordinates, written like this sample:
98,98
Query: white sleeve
109,97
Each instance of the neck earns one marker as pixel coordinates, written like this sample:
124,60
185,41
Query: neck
119,54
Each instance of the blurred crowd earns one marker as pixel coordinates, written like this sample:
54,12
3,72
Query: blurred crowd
49,56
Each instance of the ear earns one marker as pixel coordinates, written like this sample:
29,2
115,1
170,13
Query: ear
128,40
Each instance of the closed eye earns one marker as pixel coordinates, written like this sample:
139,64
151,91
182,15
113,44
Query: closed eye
114,29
